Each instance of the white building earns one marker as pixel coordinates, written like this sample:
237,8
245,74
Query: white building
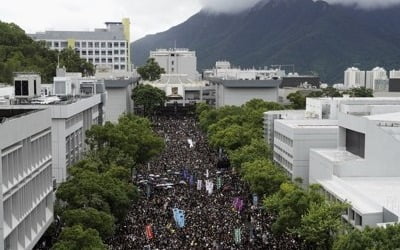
238,92
182,90
26,176
119,99
177,61
224,71
293,140
271,116
108,49
353,77
375,75
394,74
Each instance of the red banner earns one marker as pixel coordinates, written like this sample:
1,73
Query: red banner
149,232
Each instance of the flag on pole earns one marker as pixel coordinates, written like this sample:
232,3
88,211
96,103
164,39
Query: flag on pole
149,232
238,235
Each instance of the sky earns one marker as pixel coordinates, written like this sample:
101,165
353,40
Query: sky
147,16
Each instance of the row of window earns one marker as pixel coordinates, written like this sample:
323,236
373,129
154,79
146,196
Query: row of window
73,149
283,138
28,230
283,151
26,198
23,158
282,161
73,120
64,44
101,52
108,60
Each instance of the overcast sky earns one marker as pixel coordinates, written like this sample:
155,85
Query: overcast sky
147,16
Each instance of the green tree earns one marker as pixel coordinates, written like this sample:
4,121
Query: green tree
151,70
256,150
289,204
99,191
71,60
90,218
321,224
200,107
360,92
263,177
297,100
149,97
77,238
231,138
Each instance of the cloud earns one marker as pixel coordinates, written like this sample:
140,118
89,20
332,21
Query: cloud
366,4
228,6
234,6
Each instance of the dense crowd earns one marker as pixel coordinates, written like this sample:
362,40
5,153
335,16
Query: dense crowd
171,181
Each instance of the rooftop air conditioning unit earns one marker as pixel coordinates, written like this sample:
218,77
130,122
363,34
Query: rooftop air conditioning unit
27,85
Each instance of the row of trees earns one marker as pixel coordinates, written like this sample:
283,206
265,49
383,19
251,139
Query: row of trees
99,191
298,99
18,52
304,213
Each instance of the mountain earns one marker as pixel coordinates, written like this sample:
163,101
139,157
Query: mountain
315,36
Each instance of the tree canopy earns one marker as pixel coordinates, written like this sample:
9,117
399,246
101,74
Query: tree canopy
78,238
151,70
149,98
18,53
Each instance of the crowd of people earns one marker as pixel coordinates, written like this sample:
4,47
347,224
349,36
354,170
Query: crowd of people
176,179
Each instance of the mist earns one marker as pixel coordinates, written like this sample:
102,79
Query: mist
235,6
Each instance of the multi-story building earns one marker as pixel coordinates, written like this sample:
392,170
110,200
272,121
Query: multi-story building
108,49
119,99
225,71
353,77
271,116
26,176
363,170
394,74
375,77
238,92
177,61
293,140
73,111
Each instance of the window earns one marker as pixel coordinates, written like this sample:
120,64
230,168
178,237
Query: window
122,59
96,44
109,45
109,53
90,44
56,44
84,53
355,142
115,44
77,44
96,52
109,60
25,88
122,52
122,44
83,44
64,44
116,67
103,60
103,44
96,60
123,67
34,87
90,52
116,52
103,52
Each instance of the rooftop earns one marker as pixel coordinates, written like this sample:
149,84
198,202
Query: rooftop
311,123
246,83
98,34
120,83
13,113
337,155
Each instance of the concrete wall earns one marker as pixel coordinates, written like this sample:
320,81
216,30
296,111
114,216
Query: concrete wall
239,96
116,103
26,206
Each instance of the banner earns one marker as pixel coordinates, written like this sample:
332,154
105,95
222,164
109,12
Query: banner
179,217
149,232
238,235
255,200
219,183
199,184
